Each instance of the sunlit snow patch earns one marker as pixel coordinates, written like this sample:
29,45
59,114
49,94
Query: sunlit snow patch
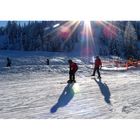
76,88
114,68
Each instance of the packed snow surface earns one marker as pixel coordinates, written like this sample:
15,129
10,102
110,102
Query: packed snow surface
30,89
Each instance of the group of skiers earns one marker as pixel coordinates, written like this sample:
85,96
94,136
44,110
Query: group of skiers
73,67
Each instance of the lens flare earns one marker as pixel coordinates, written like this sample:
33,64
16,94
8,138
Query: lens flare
87,32
76,88
56,25
87,23
64,32
110,31
87,40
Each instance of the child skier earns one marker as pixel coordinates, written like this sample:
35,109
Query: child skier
97,67
72,70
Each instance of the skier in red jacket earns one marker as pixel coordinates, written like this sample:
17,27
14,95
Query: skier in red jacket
73,68
97,67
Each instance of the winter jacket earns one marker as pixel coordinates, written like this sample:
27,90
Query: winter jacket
73,67
98,63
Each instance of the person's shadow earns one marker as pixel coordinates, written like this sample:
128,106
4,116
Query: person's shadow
64,98
104,90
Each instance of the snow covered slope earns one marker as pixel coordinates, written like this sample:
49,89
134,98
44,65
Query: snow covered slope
30,89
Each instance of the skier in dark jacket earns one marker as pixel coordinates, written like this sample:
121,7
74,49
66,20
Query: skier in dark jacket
8,62
48,61
97,66
73,68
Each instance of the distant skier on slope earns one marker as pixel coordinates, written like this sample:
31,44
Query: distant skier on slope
8,62
48,61
97,66
72,70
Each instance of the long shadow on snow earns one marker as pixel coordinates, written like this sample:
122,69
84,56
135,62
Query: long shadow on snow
64,98
104,90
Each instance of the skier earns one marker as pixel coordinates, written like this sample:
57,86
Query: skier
8,62
72,70
97,67
48,62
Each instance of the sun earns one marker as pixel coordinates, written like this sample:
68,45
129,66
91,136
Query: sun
87,23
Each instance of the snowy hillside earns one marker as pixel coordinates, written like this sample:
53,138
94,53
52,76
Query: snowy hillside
30,89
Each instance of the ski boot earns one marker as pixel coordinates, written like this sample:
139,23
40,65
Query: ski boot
69,81
99,77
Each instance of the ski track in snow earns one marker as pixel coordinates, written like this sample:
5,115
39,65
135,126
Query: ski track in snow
41,92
